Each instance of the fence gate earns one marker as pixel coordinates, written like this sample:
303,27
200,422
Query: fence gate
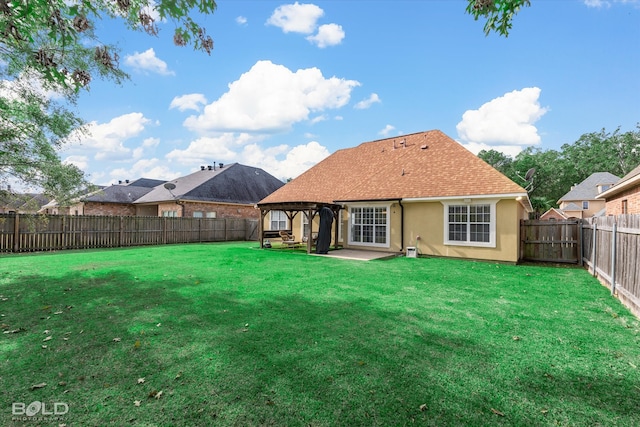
551,241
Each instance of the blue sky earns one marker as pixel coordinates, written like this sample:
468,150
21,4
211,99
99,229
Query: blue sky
288,83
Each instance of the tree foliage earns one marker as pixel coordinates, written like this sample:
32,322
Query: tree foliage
556,171
498,13
49,52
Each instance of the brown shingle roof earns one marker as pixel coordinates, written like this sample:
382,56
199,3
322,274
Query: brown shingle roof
420,165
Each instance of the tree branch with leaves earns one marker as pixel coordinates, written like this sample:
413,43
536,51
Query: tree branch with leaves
49,53
498,13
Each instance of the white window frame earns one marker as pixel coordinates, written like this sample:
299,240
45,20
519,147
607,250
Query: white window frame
387,208
197,214
585,205
279,220
492,223
211,215
304,221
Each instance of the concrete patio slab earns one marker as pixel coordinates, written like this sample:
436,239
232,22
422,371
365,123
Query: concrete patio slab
358,255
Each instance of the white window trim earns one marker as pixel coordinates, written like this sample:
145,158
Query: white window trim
388,225
492,224
304,220
286,221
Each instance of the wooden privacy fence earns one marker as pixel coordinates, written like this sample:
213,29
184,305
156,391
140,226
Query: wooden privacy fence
550,241
612,253
26,233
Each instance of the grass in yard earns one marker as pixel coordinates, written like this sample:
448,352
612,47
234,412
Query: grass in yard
228,334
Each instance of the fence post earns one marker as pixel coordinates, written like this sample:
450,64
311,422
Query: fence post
613,259
226,227
121,232
580,242
16,232
593,249
164,230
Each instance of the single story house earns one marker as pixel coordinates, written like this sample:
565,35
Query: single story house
623,197
117,199
422,191
222,191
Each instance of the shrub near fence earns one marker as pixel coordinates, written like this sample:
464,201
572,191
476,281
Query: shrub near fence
612,253
27,233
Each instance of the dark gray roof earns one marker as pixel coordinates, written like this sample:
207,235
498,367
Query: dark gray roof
147,182
117,194
23,201
234,183
588,189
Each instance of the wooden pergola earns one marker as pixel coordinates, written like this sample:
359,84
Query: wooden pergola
291,209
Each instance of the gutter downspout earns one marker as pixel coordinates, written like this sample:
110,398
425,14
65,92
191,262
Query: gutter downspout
401,225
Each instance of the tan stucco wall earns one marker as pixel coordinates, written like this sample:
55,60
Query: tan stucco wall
595,206
427,221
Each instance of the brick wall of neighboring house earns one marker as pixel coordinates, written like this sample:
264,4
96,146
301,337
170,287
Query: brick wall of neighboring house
107,209
169,207
222,210
632,197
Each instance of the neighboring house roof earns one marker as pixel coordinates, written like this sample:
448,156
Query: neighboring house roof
572,207
553,213
117,194
588,189
234,183
417,166
630,180
27,202
147,182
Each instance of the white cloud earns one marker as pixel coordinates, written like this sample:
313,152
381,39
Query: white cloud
192,101
387,130
328,35
144,168
241,20
270,98
106,140
507,121
205,150
599,4
596,3
150,142
366,103
296,18
147,61
81,162
282,161
318,119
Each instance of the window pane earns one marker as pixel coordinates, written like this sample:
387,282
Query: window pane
197,214
367,234
479,232
458,232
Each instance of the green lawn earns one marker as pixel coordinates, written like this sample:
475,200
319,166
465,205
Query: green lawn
229,334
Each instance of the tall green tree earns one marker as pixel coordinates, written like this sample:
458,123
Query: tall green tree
52,43
498,160
615,152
